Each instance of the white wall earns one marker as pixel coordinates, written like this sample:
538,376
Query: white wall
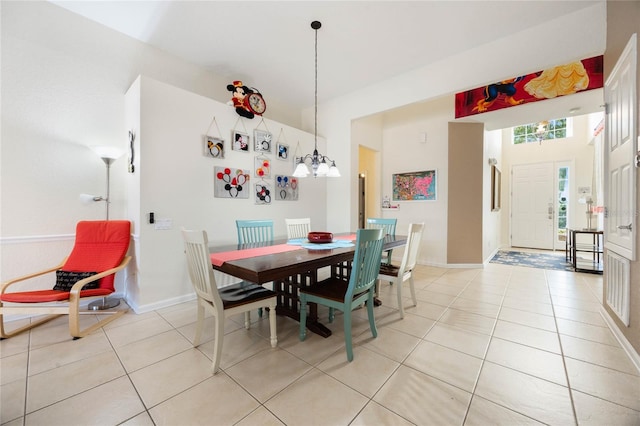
575,149
492,220
63,80
403,151
553,42
367,134
175,180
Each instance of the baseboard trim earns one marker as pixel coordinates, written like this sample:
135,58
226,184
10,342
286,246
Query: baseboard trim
143,309
626,346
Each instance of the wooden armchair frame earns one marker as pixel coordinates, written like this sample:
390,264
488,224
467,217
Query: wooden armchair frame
53,310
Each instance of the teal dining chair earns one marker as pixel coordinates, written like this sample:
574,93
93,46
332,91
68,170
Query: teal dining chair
389,227
254,231
337,294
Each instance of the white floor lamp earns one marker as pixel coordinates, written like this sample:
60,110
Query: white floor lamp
108,154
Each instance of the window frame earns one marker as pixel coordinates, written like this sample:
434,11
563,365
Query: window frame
551,134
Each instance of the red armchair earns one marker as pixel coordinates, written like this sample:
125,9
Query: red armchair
88,272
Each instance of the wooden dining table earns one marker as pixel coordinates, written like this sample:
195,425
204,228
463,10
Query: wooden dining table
292,266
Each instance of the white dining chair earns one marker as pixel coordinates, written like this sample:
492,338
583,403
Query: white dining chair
298,228
397,275
222,302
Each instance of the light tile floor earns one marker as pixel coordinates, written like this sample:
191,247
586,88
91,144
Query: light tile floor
500,345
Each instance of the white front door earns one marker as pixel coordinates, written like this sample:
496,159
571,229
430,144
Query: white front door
619,151
532,206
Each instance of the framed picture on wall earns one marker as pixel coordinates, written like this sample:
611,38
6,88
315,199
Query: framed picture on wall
213,147
239,141
286,188
283,151
415,186
496,178
262,140
231,183
262,167
263,192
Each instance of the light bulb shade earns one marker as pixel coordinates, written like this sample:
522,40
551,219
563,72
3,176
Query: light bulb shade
110,152
333,170
323,169
301,169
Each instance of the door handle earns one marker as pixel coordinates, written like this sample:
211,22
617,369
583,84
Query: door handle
627,227
550,211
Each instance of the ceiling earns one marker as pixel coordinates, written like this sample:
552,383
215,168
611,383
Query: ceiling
270,45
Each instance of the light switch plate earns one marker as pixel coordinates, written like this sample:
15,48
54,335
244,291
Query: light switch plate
163,224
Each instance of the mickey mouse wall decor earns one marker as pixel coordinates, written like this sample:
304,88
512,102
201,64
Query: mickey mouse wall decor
247,101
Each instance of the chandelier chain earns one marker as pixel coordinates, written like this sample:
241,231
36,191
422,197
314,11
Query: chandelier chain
321,164
315,125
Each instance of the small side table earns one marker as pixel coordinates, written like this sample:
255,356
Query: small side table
593,244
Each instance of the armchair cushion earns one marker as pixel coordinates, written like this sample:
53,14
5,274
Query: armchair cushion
43,296
99,246
66,279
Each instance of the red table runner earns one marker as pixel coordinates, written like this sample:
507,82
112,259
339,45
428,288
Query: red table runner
351,237
218,259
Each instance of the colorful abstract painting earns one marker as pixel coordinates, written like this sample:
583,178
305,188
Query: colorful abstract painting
567,79
415,186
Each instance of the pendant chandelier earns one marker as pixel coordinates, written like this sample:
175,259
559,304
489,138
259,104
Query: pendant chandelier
319,163
541,131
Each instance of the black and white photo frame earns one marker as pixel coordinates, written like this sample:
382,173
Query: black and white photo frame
213,147
262,141
239,141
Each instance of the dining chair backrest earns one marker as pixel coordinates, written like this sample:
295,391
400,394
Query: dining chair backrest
196,246
398,275
254,231
389,225
410,257
366,261
298,228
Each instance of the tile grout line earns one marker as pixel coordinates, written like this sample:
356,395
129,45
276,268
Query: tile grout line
486,351
564,363
115,352
26,378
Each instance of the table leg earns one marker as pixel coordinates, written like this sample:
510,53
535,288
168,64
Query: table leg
289,302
